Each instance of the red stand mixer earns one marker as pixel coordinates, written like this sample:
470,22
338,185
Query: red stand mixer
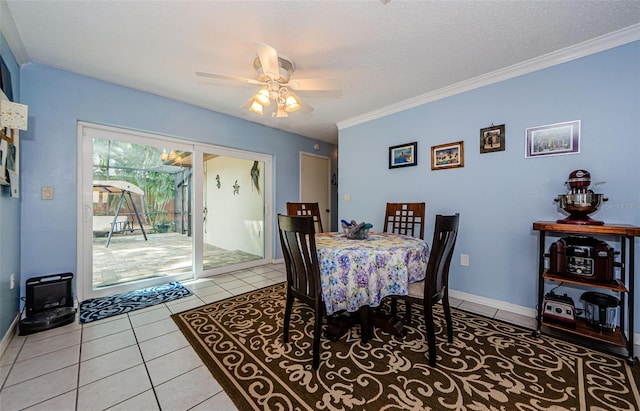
580,201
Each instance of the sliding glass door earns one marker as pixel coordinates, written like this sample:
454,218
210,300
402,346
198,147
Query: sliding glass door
233,211
139,212
156,210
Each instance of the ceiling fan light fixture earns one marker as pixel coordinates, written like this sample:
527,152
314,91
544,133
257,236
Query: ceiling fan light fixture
274,75
282,112
256,107
292,104
262,97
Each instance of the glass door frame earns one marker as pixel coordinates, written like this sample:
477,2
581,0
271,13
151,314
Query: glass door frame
84,224
198,230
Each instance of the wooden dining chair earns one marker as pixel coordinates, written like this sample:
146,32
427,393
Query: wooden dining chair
297,238
435,286
311,209
405,218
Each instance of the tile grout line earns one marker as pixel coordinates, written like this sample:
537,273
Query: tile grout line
40,375
153,387
144,363
16,362
13,363
77,399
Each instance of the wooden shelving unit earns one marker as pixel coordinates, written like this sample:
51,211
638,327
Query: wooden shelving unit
616,285
583,329
624,285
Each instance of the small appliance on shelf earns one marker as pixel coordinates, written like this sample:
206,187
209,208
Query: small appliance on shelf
601,310
580,201
559,309
582,258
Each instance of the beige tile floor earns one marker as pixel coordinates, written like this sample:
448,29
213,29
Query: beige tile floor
132,258
136,361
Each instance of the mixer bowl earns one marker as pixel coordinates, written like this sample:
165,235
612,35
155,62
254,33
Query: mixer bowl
579,206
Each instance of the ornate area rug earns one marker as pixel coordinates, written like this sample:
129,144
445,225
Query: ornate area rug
489,366
103,307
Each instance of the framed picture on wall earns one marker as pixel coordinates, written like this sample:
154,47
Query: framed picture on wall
553,139
12,164
492,139
5,80
4,149
449,155
403,155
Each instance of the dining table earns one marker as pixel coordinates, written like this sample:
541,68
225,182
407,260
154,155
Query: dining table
357,274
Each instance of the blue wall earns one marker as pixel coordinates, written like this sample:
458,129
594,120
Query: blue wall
58,99
9,222
499,195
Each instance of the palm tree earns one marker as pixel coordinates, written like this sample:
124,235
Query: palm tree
140,165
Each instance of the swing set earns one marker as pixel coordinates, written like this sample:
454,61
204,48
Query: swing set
118,224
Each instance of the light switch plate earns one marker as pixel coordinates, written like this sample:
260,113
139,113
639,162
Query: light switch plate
464,260
46,193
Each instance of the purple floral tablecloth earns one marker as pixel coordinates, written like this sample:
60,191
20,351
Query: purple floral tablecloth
354,273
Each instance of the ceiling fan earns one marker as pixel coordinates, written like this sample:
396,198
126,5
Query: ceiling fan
274,77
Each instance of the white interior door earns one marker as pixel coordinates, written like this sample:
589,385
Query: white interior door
315,184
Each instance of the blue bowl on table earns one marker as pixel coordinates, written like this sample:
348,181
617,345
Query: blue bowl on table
360,234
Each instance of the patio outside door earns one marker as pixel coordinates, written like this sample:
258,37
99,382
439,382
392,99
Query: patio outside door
135,230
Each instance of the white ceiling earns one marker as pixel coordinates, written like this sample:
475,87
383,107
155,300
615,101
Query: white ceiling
383,54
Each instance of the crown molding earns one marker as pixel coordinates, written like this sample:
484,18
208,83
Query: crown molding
595,45
11,34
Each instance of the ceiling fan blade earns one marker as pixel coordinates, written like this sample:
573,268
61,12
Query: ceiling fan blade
247,104
304,107
225,77
269,61
315,84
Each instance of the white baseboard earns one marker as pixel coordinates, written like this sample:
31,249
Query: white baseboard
6,338
490,302
512,308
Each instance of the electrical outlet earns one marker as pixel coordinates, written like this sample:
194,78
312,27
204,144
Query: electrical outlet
12,282
464,260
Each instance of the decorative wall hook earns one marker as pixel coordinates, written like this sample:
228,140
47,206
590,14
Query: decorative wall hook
236,188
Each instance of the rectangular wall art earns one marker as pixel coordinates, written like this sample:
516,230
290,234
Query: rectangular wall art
553,139
403,155
492,139
449,155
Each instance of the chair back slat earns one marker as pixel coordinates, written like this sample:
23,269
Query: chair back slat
302,209
444,239
405,218
297,238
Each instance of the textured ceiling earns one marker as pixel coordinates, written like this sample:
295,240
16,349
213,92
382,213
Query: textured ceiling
382,54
